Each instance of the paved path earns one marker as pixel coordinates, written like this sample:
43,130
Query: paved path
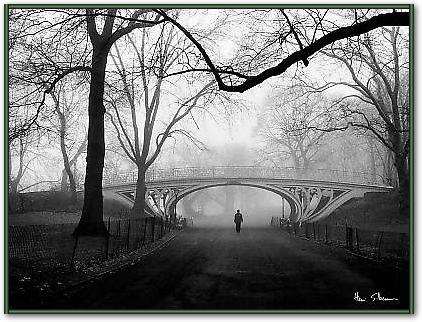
260,268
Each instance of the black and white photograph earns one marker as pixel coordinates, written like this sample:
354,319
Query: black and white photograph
209,158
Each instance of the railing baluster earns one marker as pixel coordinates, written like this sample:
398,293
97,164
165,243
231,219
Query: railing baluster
333,175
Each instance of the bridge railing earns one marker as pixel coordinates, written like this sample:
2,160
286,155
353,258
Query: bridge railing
248,172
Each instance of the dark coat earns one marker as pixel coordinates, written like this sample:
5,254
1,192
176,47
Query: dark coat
238,218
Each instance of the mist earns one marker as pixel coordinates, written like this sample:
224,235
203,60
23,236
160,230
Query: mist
216,206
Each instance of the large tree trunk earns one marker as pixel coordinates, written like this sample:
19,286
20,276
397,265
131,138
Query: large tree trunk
138,209
400,162
403,175
389,172
91,222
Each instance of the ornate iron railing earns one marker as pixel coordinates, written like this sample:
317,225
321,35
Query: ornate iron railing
192,173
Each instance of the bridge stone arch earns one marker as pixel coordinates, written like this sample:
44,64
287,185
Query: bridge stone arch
292,200
312,196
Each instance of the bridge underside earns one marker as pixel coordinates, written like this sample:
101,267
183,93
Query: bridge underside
309,200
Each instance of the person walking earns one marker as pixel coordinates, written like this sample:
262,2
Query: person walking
238,219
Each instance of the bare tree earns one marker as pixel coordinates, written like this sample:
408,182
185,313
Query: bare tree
113,28
44,48
62,40
379,102
67,106
288,128
155,57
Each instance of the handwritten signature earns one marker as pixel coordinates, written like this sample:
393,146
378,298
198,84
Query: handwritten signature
374,297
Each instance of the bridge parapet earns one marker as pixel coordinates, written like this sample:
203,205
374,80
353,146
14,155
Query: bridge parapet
193,173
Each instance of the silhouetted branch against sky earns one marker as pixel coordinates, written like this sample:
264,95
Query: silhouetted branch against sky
384,19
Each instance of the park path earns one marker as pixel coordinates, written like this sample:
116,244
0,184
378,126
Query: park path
208,268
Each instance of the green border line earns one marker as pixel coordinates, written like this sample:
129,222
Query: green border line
412,157
410,7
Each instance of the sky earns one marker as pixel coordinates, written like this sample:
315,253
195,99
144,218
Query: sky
241,129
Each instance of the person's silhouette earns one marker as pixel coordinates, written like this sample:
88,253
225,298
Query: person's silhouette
238,219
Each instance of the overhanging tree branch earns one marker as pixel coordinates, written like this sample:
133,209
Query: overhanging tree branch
387,19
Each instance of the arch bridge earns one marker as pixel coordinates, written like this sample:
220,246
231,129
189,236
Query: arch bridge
311,194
